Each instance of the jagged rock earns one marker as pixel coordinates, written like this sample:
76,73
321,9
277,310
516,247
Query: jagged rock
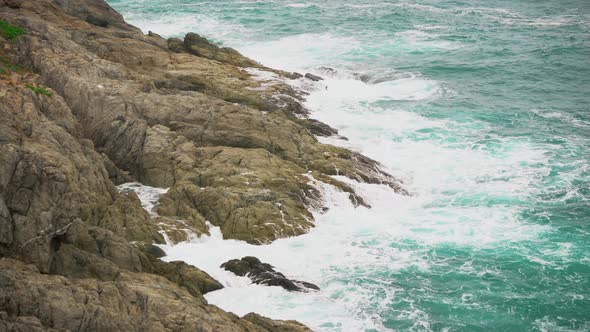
313,77
319,128
126,218
132,302
200,46
94,12
157,40
177,85
275,326
265,274
240,193
117,175
185,114
55,212
194,280
23,323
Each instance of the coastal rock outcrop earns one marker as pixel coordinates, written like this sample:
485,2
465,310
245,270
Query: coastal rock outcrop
142,302
88,102
190,119
265,274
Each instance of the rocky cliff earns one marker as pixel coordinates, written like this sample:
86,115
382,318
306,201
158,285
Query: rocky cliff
88,102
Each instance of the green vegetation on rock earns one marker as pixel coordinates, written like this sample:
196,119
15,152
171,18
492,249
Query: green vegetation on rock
10,31
39,90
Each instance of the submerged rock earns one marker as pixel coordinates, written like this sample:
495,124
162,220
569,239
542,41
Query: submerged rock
265,274
313,77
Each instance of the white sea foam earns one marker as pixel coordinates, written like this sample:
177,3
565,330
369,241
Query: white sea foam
565,117
358,241
262,75
448,183
420,7
148,196
178,25
299,5
422,39
299,52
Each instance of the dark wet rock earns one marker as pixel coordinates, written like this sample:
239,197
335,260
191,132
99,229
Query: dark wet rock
15,4
265,274
318,128
366,78
177,84
313,77
101,22
327,70
154,250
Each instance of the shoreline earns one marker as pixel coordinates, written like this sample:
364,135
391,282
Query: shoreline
90,102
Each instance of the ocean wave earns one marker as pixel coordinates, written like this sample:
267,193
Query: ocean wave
300,52
299,5
178,25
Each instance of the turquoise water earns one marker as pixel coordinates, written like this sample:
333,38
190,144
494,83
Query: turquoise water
481,106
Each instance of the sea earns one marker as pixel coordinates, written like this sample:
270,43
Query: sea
482,108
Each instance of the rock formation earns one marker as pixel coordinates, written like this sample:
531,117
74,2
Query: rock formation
88,102
265,274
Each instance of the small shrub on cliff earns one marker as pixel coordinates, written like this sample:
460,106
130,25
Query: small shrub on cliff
6,65
39,90
10,31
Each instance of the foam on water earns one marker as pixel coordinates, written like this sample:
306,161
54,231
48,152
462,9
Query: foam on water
177,26
349,241
148,196
477,236
298,5
299,52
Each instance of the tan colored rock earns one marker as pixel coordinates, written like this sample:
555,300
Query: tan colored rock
126,218
125,106
149,109
275,326
59,210
256,197
131,302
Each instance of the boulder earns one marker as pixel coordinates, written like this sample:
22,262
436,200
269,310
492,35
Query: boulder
265,274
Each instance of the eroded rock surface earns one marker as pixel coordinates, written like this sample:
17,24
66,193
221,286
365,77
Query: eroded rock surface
88,102
265,274
184,115
31,301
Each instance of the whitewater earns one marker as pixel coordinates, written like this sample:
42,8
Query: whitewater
481,108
